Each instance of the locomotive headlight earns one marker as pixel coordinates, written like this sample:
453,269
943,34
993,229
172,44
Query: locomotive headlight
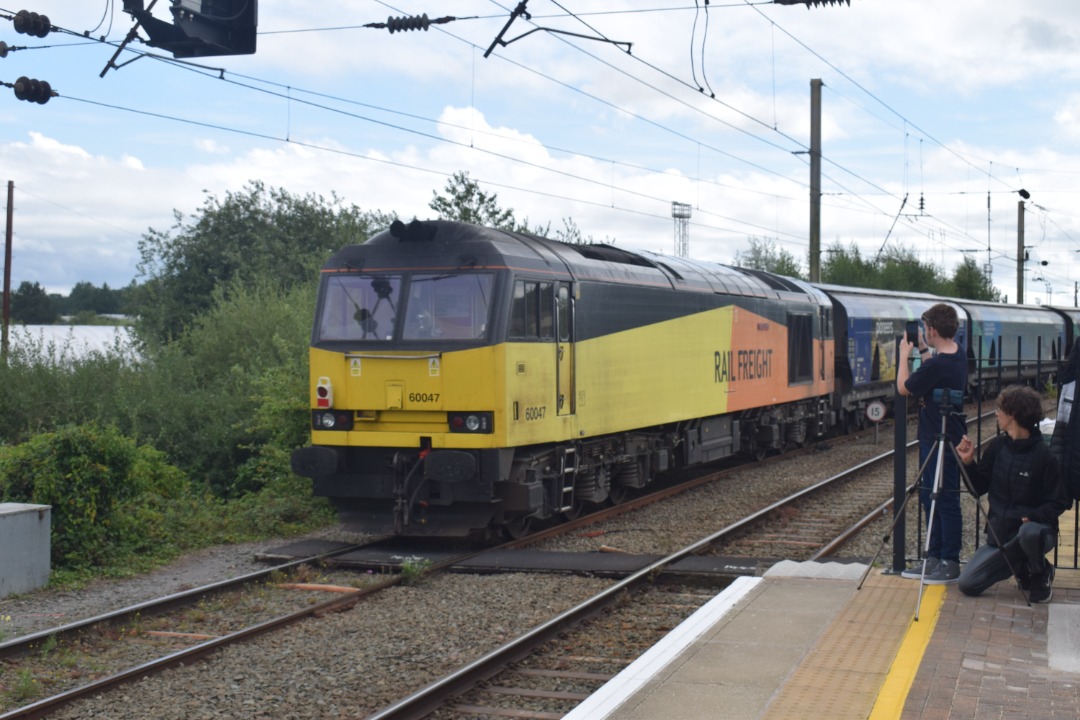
470,422
332,420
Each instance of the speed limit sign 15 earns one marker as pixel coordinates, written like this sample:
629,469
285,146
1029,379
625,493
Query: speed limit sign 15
875,411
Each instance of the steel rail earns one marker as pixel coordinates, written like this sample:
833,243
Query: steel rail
47,706
421,703
435,693
424,701
26,643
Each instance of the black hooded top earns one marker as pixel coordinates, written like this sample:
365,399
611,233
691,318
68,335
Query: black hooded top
1065,442
1021,480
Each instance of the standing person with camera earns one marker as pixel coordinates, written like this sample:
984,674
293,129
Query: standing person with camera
944,367
1023,483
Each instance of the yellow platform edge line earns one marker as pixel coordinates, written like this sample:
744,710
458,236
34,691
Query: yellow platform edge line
894,691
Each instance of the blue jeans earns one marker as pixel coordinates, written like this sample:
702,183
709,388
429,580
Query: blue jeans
946,528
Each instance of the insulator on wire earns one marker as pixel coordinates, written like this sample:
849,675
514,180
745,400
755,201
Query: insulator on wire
808,3
413,22
31,90
4,48
32,23
404,24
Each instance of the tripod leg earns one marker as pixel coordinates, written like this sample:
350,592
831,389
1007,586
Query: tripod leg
939,471
915,487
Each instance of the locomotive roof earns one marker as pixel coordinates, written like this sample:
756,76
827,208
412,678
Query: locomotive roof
451,245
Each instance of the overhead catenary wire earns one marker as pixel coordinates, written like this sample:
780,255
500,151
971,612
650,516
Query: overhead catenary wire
878,210
858,195
758,121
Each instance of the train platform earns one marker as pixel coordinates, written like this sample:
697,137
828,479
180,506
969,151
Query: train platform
804,641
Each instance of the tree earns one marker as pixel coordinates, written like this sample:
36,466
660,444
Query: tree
85,297
251,234
846,266
463,200
969,282
764,255
572,234
31,305
900,269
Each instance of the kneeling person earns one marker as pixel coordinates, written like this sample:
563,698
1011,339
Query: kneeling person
1026,496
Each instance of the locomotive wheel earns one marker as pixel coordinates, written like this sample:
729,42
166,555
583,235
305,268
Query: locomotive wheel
576,510
620,494
758,452
792,432
518,528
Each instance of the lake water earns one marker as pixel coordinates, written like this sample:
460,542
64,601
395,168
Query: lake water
68,340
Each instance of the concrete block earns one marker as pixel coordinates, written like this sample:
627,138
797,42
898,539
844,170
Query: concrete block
24,547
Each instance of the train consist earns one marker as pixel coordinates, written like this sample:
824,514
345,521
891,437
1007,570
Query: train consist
465,379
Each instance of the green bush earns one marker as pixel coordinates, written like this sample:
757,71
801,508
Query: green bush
90,475
148,452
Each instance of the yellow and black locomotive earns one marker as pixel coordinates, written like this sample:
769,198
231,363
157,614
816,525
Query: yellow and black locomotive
465,378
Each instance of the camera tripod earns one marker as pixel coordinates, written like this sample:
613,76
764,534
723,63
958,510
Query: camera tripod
941,445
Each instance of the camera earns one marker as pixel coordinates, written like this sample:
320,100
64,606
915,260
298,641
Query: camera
953,399
912,331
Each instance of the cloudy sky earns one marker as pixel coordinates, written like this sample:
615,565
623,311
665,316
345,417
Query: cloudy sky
934,115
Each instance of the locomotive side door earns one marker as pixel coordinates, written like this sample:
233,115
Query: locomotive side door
564,348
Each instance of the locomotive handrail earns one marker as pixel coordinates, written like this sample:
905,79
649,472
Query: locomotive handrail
375,356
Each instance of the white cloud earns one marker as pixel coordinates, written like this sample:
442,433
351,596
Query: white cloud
590,134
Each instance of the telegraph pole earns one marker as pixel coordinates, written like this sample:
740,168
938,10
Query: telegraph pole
815,180
1020,253
7,269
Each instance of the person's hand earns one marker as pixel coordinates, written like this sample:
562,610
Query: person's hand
966,450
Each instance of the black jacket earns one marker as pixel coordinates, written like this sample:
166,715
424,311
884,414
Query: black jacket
1021,480
1065,442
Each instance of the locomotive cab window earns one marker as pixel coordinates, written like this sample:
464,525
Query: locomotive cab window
356,307
532,313
447,307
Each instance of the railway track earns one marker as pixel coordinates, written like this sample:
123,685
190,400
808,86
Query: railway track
562,672
69,653
542,674
133,617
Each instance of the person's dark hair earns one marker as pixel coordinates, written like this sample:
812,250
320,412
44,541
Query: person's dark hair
943,319
1023,404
